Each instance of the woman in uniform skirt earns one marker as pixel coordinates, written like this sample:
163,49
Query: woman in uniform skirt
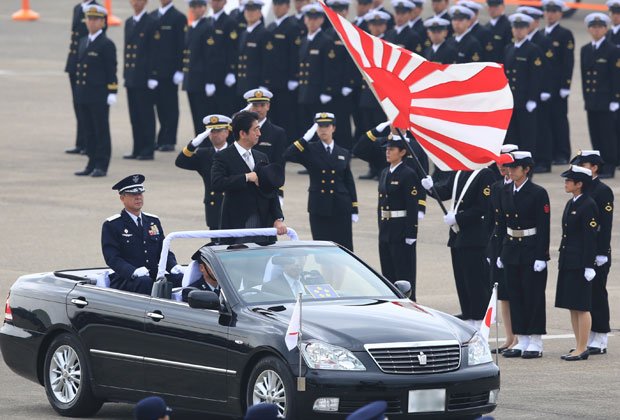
332,199
577,256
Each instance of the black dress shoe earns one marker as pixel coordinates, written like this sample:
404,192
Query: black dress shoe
85,172
144,157
130,156
596,350
499,350
512,353
74,151
582,356
98,173
560,161
368,175
542,169
531,354
166,148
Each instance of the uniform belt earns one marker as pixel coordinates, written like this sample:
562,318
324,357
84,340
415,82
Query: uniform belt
393,214
521,233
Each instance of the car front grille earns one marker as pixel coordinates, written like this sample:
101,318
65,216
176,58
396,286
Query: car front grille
464,401
417,358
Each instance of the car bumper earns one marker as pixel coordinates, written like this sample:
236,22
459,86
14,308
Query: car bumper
20,350
467,391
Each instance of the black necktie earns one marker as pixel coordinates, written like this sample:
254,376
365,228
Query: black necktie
328,150
139,223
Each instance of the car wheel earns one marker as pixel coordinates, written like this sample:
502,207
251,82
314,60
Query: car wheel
271,382
67,379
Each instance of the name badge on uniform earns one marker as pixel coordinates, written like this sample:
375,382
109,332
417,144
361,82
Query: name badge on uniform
166,28
601,60
394,183
556,44
314,52
153,230
127,235
340,157
280,36
461,54
93,54
219,31
521,59
251,44
498,37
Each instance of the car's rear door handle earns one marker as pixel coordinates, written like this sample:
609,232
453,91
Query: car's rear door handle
155,316
79,302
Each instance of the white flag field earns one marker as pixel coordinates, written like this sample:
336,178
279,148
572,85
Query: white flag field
294,327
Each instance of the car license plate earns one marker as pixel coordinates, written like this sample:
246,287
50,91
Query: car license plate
427,400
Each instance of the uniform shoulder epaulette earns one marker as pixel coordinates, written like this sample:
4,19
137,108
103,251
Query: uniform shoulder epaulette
151,215
113,217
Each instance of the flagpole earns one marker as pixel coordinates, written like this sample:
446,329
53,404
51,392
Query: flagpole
301,381
496,328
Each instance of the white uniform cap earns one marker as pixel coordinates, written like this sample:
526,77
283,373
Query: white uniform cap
338,3
530,11
245,3
94,10
258,95
376,15
403,4
521,154
313,9
597,17
613,3
472,5
436,21
507,148
459,10
589,152
216,121
556,3
520,17
580,169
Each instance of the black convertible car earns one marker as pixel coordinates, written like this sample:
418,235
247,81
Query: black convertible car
363,340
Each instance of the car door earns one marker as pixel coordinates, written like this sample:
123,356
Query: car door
110,323
186,353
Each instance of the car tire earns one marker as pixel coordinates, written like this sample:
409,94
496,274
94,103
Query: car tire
271,381
67,379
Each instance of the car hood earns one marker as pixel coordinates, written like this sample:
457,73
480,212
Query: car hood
353,323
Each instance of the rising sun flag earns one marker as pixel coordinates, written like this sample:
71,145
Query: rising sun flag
459,113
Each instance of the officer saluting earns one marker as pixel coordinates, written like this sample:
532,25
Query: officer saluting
132,240
198,156
332,198
96,87
439,51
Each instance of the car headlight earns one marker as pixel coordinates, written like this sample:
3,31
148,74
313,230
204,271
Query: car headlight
478,351
320,355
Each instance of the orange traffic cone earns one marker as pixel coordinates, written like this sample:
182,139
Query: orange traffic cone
25,13
112,20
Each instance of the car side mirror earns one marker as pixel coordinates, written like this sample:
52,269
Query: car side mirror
404,286
201,299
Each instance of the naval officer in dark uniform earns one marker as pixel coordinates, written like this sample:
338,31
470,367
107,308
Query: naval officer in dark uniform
198,156
603,196
480,32
96,88
577,258
500,28
439,50
132,240
251,63
402,34
468,48
332,198
138,53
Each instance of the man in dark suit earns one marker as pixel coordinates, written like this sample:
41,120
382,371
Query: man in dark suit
234,172
251,63
96,87
167,71
78,31
439,50
289,280
500,28
273,139
132,240
601,91
198,156
138,52
467,47
221,57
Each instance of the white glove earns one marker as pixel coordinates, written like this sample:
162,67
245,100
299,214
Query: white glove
355,218
152,83
530,106
111,98
564,93
601,260
230,80
589,274
381,127
539,265
488,261
197,141
409,241
210,89
346,91
140,272
281,199
292,84
544,96
177,77
421,215
614,106
177,269
449,218
311,132
324,98
499,263
427,182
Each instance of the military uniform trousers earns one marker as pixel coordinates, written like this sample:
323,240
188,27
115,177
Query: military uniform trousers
526,293
398,262
544,140
336,228
343,108
600,300
522,129
94,117
80,140
560,130
283,112
142,117
601,127
166,96
200,105
472,280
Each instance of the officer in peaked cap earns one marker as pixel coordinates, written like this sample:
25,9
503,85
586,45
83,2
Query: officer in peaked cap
603,196
614,10
132,240
467,47
441,10
198,156
417,23
372,411
522,64
600,72
377,5
480,32
562,64
253,41
500,28
96,88
152,408
402,34
439,50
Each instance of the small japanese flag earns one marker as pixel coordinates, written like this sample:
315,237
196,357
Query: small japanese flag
294,326
489,316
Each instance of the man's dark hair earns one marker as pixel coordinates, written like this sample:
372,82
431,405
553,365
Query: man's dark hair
242,121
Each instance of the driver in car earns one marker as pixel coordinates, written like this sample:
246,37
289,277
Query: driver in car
206,282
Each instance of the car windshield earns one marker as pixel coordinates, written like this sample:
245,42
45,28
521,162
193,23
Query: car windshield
275,275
